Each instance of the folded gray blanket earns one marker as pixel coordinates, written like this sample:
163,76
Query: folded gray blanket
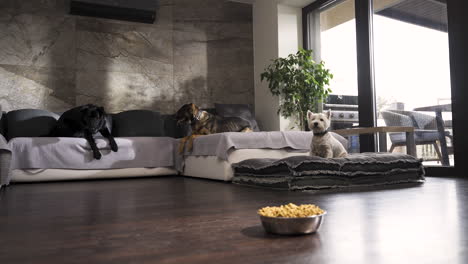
305,172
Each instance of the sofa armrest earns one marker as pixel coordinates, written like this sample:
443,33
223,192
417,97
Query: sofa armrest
5,160
4,143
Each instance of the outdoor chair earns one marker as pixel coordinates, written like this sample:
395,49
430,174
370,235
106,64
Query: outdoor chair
425,129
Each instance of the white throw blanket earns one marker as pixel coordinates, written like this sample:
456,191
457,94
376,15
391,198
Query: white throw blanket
75,153
220,144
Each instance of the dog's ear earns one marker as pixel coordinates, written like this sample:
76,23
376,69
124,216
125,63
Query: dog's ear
309,114
328,114
193,107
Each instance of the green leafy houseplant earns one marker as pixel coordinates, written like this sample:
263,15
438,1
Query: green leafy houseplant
300,82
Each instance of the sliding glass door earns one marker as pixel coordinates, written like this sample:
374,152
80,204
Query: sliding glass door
333,26
412,75
409,73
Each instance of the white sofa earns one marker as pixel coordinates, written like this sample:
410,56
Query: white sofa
147,149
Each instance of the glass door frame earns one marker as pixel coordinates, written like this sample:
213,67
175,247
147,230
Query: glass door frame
365,65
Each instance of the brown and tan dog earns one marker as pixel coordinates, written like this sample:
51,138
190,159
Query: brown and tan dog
204,123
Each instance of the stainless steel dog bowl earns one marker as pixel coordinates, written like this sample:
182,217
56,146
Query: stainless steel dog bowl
292,225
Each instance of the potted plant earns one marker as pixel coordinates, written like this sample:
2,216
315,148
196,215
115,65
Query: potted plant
300,82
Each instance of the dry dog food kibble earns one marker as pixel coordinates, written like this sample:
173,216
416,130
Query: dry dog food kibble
291,210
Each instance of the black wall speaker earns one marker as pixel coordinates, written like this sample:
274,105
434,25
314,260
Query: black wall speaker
82,8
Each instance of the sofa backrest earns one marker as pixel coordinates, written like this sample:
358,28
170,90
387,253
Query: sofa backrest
29,123
132,123
138,123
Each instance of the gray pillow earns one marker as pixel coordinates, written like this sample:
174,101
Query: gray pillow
243,111
170,126
172,129
29,123
138,123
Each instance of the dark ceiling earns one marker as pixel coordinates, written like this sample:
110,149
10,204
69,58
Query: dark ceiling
426,13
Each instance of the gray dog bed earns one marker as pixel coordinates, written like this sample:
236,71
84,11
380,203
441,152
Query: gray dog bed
312,173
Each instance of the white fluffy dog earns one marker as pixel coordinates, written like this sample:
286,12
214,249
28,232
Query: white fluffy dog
323,143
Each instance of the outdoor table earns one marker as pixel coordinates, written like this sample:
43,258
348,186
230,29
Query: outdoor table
438,109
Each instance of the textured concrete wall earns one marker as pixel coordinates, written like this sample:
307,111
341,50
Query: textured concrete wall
198,51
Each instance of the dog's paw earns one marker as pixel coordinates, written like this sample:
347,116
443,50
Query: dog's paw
97,155
114,147
190,148
181,148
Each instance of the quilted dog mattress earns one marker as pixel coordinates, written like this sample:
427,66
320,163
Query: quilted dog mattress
312,173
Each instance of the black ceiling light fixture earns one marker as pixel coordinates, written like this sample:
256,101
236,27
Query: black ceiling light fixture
143,11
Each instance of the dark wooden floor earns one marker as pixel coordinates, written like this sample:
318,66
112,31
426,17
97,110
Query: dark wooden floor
182,220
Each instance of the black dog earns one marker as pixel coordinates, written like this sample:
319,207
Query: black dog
85,121
204,123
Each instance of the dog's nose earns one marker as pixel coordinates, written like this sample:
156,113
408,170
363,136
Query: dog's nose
315,123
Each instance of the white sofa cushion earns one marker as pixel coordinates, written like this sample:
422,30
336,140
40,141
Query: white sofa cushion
75,153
